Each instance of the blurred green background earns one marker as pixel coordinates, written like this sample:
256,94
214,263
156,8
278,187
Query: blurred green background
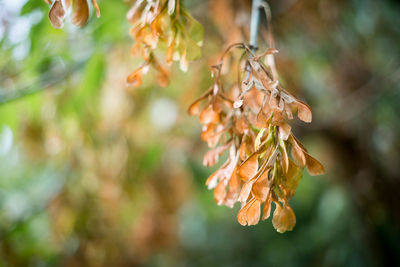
94,173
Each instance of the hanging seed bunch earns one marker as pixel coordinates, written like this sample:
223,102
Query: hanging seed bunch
265,160
164,25
80,12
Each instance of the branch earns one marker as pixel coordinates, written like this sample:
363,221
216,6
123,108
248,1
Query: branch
47,80
255,22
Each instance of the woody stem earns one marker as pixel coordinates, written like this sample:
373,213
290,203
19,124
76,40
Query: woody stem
254,23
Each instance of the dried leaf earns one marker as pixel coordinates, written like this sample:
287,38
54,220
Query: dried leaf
212,156
210,135
135,78
269,51
234,189
297,153
284,218
274,105
267,208
314,167
238,103
194,108
260,135
170,52
288,112
285,157
80,12
156,27
96,7
135,49
262,120
217,105
208,115
220,192
235,181
249,167
258,84
302,158
183,63
242,215
253,99
300,144
231,197
253,213
132,14
261,187
278,191
292,179
246,190
151,40
241,125
242,151
303,111
57,15
163,76
284,131
212,181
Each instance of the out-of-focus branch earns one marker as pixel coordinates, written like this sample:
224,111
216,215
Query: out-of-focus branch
349,107
45,81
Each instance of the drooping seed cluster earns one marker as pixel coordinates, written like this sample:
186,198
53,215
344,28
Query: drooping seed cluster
250,121
80,12
163,24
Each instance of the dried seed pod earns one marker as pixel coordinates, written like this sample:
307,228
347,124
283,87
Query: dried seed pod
80,12
169,23
57,14
269,160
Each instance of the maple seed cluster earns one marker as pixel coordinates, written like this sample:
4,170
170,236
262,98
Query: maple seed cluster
80,12
163,24
250,121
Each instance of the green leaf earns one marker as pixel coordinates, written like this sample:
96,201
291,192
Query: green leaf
193,51
33,5
193,36
195,31
86,94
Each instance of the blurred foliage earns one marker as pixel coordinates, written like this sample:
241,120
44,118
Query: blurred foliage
94,173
